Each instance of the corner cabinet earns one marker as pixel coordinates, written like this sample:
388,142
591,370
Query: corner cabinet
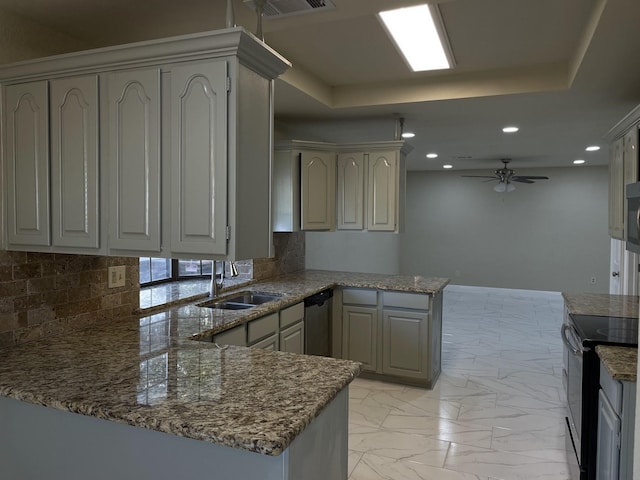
371,186
397,336
304,186
167,148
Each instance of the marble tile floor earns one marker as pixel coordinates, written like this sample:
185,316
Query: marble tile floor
497,411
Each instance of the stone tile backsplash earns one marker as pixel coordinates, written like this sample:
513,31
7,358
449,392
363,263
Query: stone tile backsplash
45,294
288,258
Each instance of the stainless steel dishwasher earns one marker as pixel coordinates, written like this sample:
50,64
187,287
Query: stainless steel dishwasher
317,324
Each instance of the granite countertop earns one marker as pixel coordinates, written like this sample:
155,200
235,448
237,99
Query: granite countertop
141,373
601,304
197,322
620,362
149,372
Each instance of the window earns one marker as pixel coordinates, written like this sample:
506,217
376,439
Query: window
159,270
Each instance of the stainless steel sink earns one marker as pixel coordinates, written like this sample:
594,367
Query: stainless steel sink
254,298
240,301
226,305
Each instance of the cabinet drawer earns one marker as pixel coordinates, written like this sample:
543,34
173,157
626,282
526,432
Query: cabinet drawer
359,296
262,327
417,301
291,315
233,336
612,389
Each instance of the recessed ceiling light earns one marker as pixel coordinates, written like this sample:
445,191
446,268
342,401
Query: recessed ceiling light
447,166
578,162
510,129
592,148
415,34
432,155
408,135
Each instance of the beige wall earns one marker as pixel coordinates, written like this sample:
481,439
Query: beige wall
21,39
47,294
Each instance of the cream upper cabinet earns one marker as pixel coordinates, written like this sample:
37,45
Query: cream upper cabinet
27,169
623,169
176,132
351,194
318,190
133,99
371,186
382,205
304,186
616,190
199,158
75,162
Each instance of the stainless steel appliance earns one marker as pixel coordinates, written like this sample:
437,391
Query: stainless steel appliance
317,323
580,334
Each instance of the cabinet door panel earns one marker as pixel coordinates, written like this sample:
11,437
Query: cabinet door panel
27,164
360,335
381,205
292,339
134,156
405,343
74,162
269,343
199,158
317,190
608,459
351,177
616,190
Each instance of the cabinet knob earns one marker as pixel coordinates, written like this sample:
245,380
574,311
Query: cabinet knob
615,274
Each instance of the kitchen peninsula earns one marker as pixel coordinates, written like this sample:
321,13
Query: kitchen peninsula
156,404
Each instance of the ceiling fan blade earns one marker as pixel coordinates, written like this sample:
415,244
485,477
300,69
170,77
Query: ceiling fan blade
522,180
531,177
481,176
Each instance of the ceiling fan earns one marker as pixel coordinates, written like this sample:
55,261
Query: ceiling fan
505,176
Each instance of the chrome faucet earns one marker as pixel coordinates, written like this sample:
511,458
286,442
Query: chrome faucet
216,285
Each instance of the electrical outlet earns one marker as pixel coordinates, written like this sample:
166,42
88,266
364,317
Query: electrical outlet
117,276
593,280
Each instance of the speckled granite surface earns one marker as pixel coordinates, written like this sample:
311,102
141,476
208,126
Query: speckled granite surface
147,372
620,362
202,322
601,304
139,372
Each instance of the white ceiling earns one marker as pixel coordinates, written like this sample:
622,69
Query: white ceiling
564,71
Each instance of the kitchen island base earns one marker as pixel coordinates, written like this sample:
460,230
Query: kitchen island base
43,443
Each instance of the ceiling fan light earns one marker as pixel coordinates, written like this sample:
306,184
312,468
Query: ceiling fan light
500,187
510,187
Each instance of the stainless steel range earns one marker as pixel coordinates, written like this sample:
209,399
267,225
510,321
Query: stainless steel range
580,334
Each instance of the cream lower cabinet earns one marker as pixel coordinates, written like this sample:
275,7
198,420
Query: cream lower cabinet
283,331
397,336
292,329
360,335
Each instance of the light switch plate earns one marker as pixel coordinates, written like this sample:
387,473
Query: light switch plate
117,276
